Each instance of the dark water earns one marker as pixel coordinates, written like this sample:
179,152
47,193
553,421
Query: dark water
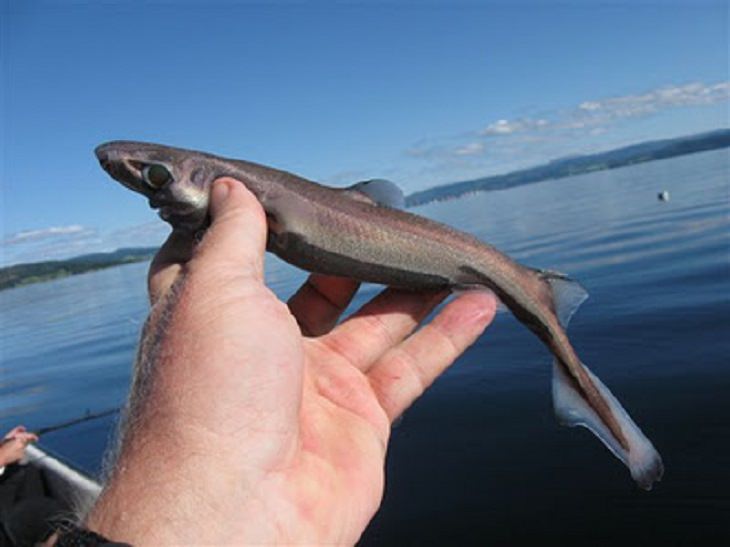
480,459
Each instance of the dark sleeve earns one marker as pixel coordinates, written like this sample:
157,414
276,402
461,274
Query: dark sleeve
73,536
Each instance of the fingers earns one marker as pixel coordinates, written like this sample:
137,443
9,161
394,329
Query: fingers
27,438
23,438
404,373
236,238
318,304
168,262
381,324
13,432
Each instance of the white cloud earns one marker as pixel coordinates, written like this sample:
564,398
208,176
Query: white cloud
60,242
53,232
589,105
588,125
470,149
693,94
656,100
591,113
502,127
47,243
507,127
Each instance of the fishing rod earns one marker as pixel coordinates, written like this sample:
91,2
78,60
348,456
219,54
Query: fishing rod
85,418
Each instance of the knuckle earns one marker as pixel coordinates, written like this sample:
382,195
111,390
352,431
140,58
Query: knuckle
406,372
398,382
379,329
448,346
386,396
342,347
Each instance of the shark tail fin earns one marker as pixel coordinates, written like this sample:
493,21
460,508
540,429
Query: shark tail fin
573,408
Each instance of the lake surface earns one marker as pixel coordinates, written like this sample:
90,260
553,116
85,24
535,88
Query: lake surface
480,459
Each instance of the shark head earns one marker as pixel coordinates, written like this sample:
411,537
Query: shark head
173,183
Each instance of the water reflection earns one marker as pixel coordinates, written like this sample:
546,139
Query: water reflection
480,457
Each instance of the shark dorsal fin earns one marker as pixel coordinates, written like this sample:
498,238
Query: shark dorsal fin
379,192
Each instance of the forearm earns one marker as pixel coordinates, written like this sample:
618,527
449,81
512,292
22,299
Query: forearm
170,491
204,501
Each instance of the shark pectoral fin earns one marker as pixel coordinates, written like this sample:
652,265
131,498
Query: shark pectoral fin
379,192
572,409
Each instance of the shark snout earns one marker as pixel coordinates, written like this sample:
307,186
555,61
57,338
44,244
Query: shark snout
102,153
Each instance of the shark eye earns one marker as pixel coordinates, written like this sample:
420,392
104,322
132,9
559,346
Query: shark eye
156,175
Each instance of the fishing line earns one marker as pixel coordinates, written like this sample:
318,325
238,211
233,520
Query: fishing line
85,418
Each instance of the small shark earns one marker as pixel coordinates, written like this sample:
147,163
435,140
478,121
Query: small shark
360,232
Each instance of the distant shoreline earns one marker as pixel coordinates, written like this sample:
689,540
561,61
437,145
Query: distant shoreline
568,167
19,275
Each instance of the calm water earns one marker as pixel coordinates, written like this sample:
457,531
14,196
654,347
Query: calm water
480,457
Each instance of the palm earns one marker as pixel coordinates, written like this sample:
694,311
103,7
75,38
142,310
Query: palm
357,377
337,473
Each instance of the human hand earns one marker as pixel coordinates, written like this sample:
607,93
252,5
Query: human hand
251,421
18,429
12,447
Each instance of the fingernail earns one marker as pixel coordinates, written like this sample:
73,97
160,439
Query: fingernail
220,190
218,195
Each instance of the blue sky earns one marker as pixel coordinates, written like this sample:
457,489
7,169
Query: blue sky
420,93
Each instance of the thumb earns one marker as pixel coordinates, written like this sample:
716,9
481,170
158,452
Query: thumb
236,238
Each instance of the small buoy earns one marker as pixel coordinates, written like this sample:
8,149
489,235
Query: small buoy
663,196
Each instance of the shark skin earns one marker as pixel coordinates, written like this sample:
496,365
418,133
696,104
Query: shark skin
355,233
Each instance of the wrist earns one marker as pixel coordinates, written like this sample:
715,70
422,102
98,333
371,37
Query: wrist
211,508
182,496
70,535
